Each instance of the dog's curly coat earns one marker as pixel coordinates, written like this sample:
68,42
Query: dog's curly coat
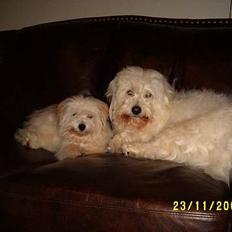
78,125
153,121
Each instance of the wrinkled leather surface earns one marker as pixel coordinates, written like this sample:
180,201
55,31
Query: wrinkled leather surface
111,192
41,65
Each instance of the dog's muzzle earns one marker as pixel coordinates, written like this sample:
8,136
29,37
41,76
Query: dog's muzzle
136,110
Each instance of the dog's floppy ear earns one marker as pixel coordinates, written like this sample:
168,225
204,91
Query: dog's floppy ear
60,109
110,90
168,92
104,112
110,94
162,89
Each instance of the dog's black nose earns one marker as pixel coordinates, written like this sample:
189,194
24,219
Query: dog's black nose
82,127
136,110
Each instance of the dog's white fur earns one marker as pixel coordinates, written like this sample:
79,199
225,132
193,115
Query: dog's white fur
192,127
56,128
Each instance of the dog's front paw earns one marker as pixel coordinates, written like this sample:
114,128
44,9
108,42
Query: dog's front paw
133,150
115,145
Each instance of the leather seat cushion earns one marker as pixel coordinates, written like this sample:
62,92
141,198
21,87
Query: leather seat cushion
110,193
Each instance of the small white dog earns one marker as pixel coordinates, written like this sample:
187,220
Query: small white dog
78,125
153,121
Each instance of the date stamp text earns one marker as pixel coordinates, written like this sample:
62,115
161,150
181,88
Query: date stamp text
202,205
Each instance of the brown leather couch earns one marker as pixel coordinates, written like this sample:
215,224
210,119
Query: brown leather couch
43,64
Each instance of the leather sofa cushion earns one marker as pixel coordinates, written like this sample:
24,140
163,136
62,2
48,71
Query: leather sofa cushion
111,193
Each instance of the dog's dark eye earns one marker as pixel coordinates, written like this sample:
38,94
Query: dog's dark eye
74,114
130,93
148,95
90,116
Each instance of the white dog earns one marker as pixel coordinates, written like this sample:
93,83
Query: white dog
153,121
78,125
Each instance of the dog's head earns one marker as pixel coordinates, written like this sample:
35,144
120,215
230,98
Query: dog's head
80,116
138,97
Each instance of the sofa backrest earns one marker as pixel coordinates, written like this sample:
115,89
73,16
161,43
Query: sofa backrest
42,65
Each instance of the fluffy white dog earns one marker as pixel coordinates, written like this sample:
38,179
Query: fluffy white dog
153,121
78,125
